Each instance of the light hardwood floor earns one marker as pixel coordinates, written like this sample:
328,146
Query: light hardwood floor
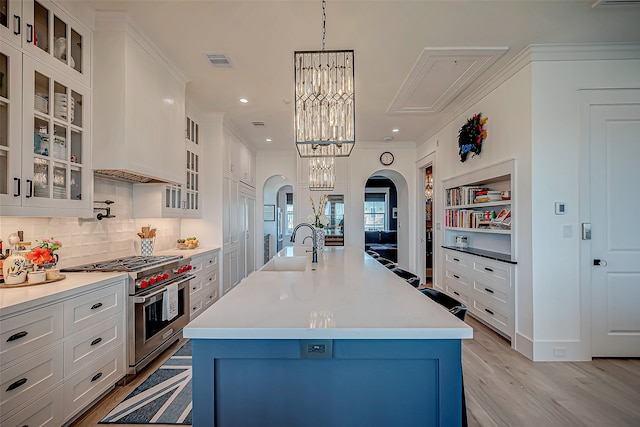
504,388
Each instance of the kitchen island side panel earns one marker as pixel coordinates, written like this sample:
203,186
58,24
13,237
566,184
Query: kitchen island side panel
366,382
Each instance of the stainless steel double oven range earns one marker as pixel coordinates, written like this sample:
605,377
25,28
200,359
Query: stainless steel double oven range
150,278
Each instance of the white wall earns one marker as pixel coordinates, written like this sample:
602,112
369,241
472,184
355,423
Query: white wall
555,152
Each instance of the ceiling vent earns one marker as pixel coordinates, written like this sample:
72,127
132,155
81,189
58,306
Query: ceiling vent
258,124
219,61
610,3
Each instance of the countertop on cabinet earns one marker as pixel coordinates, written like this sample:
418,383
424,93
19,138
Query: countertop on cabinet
186,252
14,300
346,295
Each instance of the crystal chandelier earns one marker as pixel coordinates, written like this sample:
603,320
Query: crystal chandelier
322,173
428,187
324,100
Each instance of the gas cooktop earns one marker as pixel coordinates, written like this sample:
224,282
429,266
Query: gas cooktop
128,264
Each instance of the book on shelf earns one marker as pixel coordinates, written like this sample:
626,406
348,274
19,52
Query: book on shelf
465,195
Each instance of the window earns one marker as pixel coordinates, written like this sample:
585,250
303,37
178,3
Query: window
375,209
289,214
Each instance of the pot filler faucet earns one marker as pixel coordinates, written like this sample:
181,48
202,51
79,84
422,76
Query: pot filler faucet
315,239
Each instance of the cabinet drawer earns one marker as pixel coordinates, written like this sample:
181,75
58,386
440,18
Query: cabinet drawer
195,287
459,295
493,292
197,307
212,297
90,382
496,271
84,348
92,308
44,412
457,259
210,281
495,317
27,333
455,277
28,379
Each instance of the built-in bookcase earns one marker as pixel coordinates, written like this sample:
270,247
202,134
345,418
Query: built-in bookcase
480,205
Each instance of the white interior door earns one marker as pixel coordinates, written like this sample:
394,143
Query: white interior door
615,207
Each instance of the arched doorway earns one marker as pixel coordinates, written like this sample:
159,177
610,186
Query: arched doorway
278,214
386,216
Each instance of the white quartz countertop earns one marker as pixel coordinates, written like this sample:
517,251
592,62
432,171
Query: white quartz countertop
346,295
185,252
14,300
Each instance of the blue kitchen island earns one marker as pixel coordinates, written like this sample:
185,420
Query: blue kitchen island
344,342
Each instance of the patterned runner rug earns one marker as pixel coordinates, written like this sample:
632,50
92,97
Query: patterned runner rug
163,398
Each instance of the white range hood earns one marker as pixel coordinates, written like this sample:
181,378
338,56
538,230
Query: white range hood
139,106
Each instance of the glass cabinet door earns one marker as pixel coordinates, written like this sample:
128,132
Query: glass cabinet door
11,20
55,155
52,35
10,113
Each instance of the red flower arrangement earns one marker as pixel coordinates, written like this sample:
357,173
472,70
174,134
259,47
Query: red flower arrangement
40,256
43,253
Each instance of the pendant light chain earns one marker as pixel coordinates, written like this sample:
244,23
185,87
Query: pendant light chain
324,24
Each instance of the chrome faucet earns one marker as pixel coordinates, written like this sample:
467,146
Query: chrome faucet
315,239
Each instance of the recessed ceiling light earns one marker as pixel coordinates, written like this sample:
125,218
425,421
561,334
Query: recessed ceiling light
244,100
395,130
268,140
387,138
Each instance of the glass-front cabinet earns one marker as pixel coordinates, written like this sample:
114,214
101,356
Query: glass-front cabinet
192,187
334,211
11,20
45,163
52,35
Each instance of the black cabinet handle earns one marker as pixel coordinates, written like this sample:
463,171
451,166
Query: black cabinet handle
96,376
489,269
456,293
17,384
29,33
456,276
17,180
30,189
210,279
210,261
488,311
17,26
489,290
456,259
96,341
17,336
96,305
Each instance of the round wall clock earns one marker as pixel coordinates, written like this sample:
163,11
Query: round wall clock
386,158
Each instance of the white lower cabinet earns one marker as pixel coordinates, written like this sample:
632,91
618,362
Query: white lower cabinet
485,286
60,357
48,411
205,286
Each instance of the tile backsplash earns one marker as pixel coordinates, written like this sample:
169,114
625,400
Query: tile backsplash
86,240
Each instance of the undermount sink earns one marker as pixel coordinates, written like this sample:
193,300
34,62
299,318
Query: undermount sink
289,263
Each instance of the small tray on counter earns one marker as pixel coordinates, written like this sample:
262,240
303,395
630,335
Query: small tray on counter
25,283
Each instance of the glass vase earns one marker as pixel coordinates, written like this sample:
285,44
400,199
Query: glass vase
320,238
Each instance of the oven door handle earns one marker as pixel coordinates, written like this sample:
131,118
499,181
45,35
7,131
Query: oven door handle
143,299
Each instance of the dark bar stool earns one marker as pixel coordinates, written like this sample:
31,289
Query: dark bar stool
454,306
386,262
373,253
408,276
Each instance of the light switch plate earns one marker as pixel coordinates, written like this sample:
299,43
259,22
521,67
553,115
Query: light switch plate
560,208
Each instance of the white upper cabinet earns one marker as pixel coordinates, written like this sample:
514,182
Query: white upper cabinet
239,160
45,147
140,104
11,21
51,35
